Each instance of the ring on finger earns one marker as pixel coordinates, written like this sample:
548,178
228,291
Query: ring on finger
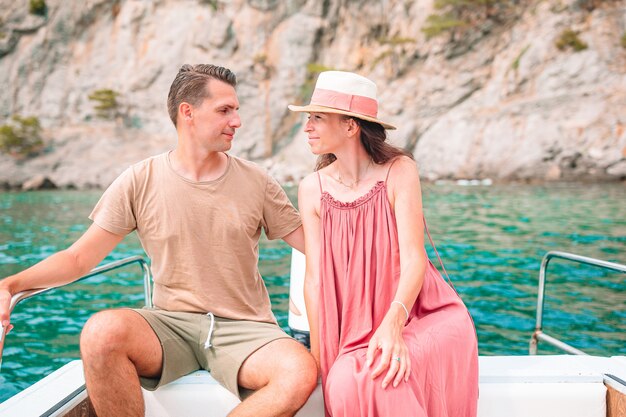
397,359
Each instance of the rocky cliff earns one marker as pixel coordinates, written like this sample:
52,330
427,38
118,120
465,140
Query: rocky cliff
494,97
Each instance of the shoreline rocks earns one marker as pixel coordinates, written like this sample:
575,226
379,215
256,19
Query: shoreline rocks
504,103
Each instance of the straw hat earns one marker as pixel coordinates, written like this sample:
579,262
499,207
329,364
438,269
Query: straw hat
344,93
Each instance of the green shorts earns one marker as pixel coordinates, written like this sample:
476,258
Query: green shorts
183,338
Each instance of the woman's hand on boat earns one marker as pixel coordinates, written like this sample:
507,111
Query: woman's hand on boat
394,355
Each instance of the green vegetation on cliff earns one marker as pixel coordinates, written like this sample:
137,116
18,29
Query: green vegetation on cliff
106,104
570,39
21,137
457,15
212,3
37,7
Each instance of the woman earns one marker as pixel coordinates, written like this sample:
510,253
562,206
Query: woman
391,337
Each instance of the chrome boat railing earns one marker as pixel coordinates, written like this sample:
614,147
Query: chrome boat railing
538,333
147,285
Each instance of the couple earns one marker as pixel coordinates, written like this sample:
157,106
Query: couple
389,336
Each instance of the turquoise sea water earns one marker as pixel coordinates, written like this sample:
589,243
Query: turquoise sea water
491,239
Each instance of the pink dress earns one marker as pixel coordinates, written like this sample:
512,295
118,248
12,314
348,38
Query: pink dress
359,274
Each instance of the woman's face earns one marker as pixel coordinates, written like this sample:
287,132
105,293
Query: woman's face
326,132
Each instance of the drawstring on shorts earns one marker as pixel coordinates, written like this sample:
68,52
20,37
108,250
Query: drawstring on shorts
207,343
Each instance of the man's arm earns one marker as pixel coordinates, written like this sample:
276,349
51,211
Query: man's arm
61,268
295,239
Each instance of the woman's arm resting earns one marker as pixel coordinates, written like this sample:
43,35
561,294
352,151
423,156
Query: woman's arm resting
308,203
406,198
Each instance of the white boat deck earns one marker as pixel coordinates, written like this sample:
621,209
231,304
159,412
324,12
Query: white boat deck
511,386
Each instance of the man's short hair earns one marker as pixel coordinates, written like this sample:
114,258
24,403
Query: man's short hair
190,85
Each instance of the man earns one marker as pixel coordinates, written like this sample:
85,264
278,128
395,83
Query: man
198,213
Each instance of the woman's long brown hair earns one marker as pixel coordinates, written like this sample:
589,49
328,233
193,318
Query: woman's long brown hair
374,140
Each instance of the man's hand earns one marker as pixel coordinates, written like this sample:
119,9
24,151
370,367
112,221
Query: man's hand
5,303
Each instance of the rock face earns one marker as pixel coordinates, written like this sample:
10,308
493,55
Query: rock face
38,183
503,102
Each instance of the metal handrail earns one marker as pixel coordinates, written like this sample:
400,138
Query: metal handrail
147,279
538,334
147,291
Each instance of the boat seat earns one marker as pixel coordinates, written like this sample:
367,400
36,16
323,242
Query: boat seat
512,386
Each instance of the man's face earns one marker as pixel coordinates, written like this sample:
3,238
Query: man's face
215,120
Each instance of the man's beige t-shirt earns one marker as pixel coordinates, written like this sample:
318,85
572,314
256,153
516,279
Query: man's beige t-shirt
202,237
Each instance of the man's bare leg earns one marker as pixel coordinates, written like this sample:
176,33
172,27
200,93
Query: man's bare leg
116,346
284,375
